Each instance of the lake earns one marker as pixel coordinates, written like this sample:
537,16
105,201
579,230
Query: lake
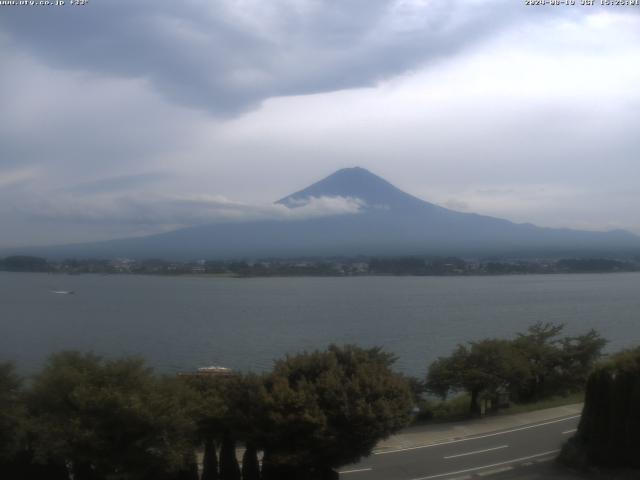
181,323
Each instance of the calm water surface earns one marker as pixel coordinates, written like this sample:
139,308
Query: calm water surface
180,323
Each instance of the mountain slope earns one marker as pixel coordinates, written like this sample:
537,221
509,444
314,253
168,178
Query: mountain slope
391,222
358,183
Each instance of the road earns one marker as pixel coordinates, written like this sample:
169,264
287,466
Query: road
468,457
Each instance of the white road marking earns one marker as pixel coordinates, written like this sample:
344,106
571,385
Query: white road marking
355,471
515,460
448,442
476,451
566,432
494,471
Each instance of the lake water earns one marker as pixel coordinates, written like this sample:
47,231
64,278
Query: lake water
180,323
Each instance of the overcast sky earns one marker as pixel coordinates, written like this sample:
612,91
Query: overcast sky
122,118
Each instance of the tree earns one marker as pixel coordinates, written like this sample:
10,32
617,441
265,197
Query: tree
188,470
557,365
445,373
15,456
482,369
12,414
230,409
250,465
229,468
579,355
609,429
217,417
246,398
327,409
535,364
209,460
107,418
541,347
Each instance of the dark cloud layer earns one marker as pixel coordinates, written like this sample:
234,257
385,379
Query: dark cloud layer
226,56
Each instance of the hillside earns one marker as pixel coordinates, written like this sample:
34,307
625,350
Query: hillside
389,222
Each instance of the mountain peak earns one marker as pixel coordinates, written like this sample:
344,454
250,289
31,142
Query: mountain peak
355,182
353,171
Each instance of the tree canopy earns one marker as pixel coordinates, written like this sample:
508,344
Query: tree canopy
106,418
609,429
89,418
326,409
482,368
12,413
536,364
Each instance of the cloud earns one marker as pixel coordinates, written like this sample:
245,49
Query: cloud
456,204
558,205
16,177
113,112
119,183
227,56
85,123
163,212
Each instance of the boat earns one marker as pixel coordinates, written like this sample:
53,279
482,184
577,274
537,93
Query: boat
63,292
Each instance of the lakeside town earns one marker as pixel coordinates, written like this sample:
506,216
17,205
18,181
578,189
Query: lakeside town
330,267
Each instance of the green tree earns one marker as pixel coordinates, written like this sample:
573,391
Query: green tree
230,410
187,471
535,364
16,458
216,417
245,421
609,429
541,347
209,460
579,355
110,419
482,369
229,468
557,365
327,409
250,465
12,414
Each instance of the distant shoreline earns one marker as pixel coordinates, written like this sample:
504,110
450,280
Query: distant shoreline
367,275
325,267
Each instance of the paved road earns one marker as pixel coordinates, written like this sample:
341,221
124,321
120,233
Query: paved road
468,457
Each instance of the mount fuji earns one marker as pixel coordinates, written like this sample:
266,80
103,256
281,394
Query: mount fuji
388,221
